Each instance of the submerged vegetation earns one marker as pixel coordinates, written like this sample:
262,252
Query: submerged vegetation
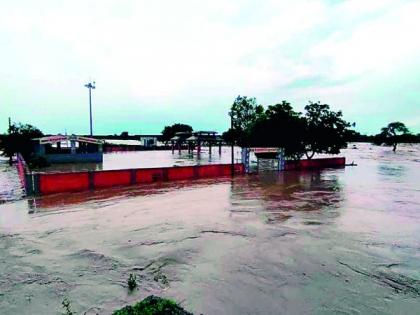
132,282
153,305
67,307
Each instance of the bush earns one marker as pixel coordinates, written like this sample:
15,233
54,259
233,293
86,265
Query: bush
132,282
153,305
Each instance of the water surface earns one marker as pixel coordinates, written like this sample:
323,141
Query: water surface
343,241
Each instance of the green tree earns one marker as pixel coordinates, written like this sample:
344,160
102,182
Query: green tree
124,135
392,134
320,130
169,131
281,127
18,140
326,131
245,112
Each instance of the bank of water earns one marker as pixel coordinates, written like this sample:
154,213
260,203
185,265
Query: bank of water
323,242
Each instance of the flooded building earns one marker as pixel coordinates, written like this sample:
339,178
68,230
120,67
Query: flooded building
69,149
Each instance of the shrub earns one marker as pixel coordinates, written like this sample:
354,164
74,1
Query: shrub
153,305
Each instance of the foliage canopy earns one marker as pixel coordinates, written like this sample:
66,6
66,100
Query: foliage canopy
169,131
396,132
326,131
18,139
153,305
319,130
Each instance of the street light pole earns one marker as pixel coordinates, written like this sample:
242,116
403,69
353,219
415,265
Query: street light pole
232,156
90,86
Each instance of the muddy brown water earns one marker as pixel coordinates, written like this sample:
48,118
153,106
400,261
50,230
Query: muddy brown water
337,241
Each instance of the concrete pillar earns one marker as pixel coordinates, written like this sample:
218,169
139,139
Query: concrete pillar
41,149
73,146
245,158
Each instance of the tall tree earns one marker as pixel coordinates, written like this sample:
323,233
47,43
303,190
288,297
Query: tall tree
18,140
281,127
326,130
392,134
245,112
169,131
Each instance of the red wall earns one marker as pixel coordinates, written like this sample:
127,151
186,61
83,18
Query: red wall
21,168
177,173
315,163
79,181
111,178
63,182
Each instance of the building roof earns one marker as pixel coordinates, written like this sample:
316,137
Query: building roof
59,138
123,142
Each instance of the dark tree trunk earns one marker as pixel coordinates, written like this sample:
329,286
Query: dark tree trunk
395,147
310,156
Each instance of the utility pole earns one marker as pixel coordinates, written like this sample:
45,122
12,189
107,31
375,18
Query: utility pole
10,125
232,156
90,86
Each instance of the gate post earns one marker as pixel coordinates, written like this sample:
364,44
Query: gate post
245,159
280,158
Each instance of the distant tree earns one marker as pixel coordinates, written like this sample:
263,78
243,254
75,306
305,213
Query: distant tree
394,133
18,140
326,130
169,131
245,112
124,135
354,136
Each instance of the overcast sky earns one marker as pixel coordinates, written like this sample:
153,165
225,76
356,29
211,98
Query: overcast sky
160,62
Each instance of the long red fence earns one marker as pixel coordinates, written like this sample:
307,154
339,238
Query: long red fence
50,183
315,163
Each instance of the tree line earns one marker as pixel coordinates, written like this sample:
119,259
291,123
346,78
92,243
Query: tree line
318,130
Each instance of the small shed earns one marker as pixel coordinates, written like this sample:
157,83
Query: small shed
69,149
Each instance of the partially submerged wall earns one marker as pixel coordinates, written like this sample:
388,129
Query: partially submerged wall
50,183
315,163
22,169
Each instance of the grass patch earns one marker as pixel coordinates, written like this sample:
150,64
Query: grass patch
153,305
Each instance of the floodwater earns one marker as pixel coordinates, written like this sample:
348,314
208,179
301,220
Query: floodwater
150,159
337,241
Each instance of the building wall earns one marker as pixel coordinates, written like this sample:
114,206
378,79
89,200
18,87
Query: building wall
96,157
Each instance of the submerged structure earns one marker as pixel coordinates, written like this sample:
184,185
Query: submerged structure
196,140
69,149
